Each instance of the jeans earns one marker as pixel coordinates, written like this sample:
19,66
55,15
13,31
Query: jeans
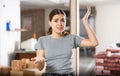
57,74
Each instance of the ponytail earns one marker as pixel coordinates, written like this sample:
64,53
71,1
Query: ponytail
65,33
49,31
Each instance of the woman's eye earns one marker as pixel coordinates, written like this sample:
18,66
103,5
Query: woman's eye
62,20
55,20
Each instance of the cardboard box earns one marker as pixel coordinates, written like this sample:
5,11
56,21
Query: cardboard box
32,72
16,73
5,71
28,73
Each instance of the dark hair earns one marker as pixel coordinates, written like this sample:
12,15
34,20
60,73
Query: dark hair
52,13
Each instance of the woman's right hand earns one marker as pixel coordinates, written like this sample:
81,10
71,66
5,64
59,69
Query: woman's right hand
38,59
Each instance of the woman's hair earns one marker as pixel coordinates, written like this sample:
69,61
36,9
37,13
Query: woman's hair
53,13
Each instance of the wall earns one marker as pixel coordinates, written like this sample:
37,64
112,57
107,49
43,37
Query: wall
9,40
47,11
107,25
38,25
0,28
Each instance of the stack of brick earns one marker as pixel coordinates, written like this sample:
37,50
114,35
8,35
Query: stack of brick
108,63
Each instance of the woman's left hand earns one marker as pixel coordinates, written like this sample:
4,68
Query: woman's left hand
85,18
91,41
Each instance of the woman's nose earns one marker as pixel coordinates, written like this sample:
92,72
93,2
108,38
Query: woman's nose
59,22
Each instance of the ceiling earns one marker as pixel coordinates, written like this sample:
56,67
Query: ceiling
35,4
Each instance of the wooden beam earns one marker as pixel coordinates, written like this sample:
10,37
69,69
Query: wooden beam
74,23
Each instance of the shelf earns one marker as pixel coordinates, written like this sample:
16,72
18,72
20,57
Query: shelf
23,54
12,30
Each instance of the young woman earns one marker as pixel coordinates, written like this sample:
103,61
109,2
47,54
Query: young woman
56,48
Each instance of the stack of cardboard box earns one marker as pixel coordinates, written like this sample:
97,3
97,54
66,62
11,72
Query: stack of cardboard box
108,62
24,67
17,66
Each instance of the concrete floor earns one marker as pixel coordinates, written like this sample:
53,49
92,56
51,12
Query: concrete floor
87,62
87,65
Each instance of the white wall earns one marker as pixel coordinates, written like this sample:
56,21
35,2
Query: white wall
0,26
107,25
9,40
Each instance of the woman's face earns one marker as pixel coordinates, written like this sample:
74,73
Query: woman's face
58,23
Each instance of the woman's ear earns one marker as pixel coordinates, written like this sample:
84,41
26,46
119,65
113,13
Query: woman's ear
50,23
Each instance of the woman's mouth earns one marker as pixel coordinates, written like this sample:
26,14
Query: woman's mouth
60,28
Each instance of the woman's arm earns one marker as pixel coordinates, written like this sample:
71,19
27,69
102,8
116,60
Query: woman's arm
39,59
92,40
40,53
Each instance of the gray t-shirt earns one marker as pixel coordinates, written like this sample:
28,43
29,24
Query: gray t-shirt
58,52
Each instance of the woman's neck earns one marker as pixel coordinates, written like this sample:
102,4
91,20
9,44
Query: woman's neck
55,35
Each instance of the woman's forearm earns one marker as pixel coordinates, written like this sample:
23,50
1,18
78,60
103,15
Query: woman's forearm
40,59
91,35
92,40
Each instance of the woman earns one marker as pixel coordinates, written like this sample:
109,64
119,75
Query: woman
56,48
